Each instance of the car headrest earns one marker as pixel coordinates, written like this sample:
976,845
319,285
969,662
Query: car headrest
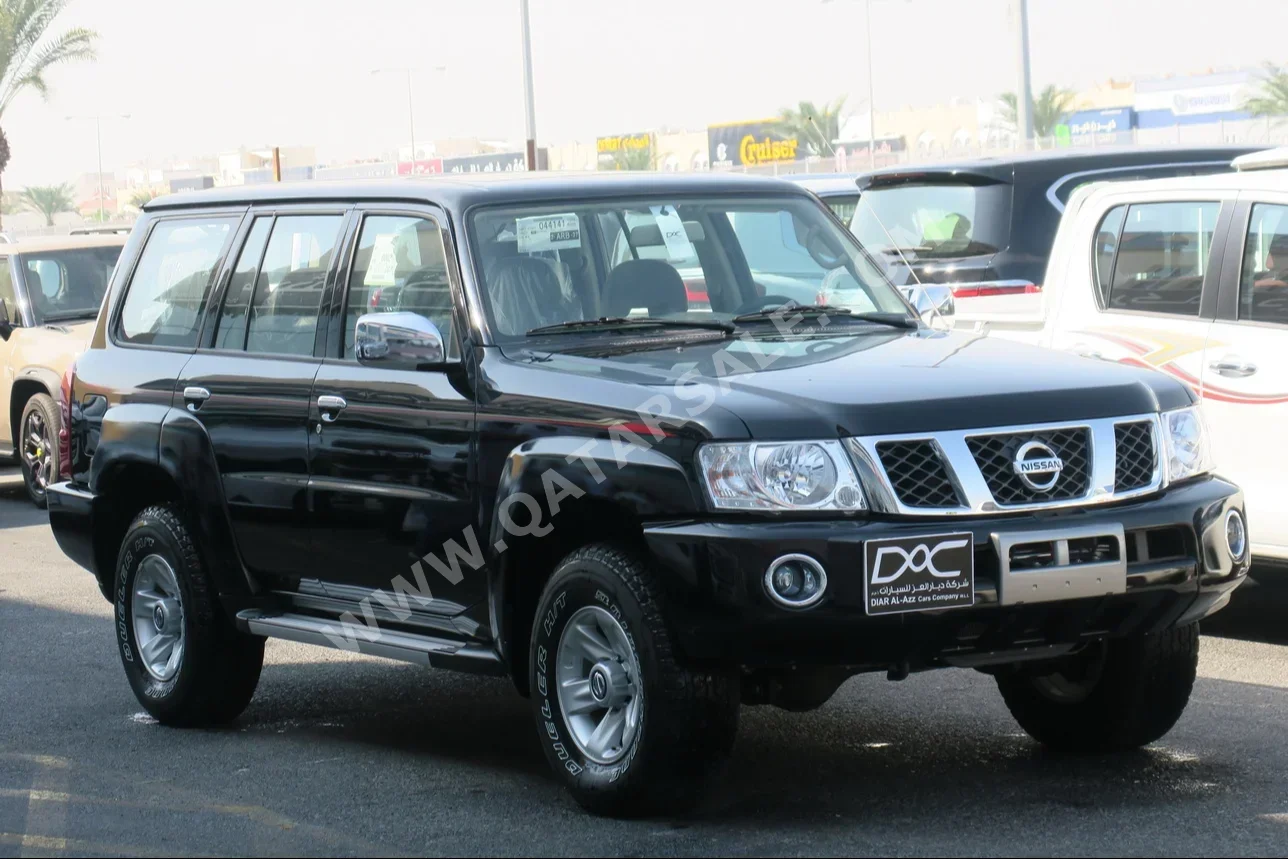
525,294
648,283
650,235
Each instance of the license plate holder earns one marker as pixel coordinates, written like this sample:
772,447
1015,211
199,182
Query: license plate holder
923,573
1064,579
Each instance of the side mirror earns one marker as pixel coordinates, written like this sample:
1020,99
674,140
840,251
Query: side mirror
398,340
931,300
6,327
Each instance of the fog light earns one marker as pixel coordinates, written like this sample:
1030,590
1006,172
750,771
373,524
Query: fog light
795,581
1236,535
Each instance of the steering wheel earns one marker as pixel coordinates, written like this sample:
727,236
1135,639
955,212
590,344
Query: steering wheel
761,302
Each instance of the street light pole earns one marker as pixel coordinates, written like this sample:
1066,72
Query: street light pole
530,112
411,119
98,143
1024,96
872,110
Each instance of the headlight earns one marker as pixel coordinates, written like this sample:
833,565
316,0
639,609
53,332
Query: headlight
1185,435
799,475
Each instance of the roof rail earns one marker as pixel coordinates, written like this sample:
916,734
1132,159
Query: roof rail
1266,159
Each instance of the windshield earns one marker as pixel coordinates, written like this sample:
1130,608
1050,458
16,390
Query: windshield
67,285
677,259
937,221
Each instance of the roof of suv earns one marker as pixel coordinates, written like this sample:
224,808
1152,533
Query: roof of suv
462,191
1233,180
1066,160
61,243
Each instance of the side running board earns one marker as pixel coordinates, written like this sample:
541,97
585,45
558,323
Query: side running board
360,638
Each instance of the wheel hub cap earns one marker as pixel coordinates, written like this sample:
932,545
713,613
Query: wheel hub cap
597,679
157,610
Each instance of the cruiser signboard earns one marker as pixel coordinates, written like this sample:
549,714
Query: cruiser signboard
752,144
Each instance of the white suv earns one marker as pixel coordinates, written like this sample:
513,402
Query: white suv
1190,276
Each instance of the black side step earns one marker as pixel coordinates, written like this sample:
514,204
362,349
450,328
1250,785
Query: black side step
372,641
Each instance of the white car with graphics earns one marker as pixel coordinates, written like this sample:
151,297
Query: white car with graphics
1189,276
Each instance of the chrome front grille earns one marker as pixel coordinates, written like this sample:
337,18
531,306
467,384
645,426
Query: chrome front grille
995,456
918,473
973,472
1137,460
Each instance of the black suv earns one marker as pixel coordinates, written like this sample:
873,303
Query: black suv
475,424
985,226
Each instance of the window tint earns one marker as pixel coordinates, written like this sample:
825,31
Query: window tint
69,284
1263,288
1106,245
1161,257
283,314
7,294
400,265
167,294
241,286
843,206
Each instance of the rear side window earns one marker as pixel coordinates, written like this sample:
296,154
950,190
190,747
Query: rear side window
1263,287
1161,256
283,314
167,294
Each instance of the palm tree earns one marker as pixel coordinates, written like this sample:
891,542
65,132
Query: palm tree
26,54
1272,99
633,159
143,196
1051,106
48,200
815,127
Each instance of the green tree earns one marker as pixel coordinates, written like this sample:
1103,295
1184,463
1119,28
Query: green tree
143,196
48,200
634,159
1050,107
816,127
1272,97
27,53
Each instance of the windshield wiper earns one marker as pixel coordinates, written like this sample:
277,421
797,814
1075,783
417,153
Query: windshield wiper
894,320
68,316
609,323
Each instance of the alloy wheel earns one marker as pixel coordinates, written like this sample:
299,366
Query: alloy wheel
37,451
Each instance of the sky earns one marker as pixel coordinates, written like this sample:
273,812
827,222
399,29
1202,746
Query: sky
204,77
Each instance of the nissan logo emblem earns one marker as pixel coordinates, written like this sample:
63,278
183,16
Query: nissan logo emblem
1037,466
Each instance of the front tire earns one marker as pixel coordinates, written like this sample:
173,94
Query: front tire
186,662
627,728
38,447
1123,695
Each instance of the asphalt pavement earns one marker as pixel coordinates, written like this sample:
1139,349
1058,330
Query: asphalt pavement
346,755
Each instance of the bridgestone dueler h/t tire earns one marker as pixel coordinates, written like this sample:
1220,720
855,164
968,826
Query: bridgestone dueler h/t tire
219,669
689,719
1142,691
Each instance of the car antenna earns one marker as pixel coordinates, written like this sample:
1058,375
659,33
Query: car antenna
934,307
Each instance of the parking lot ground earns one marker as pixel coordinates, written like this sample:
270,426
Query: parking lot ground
344,755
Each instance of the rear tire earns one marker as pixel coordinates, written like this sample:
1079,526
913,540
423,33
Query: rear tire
1126,696
37,447
679,724
186,662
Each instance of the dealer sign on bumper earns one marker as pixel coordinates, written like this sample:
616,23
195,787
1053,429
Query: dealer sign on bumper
919,573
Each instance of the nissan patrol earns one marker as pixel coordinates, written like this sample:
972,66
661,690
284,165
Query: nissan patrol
476,424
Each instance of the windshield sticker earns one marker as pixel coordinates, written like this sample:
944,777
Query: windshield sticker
674,235
548,233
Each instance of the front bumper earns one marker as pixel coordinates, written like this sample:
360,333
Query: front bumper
717,570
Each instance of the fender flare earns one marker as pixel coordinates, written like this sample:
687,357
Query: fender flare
642,482
175,443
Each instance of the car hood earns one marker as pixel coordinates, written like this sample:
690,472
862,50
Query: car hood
881,382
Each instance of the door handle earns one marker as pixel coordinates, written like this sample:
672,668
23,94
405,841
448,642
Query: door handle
1232,366
330,407
195,396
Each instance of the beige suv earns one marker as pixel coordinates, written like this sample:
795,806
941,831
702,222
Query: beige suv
50,292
